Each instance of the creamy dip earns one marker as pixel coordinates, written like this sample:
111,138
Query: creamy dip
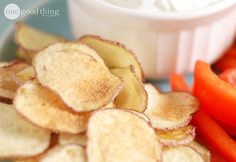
163,5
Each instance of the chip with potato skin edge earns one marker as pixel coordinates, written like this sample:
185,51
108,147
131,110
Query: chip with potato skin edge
155,147
137,66
57,117
91,92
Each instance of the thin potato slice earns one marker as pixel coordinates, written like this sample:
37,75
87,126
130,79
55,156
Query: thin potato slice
3,64
109,105
8,85
24,35
24,75
141,115
205,153
79,139
86,49
171,110
22,55
82,82
133,96
42,107
114,54
177,137
18,137
116,135
181,154
65,153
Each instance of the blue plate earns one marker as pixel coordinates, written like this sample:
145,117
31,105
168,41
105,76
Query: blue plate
59,25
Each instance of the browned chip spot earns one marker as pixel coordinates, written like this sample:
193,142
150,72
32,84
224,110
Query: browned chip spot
44,108
83,83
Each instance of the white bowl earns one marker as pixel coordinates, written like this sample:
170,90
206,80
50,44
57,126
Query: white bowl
163,41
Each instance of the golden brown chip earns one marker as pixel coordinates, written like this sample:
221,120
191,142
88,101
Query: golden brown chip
32,40
116,135
18,137
133,96
181,154
171,110
114,54
65,153
176,137
82,82
42,107
8,85
79,139
24,75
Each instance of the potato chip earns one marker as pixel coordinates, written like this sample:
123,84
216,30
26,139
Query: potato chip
181,136
86,49
79,139
170,110
109,105
141,115
114,54
3,64
45,109
181,154
65,153
116,135
8,85
82,82
18,137
133,96
24,75
24,35
205,153
22,55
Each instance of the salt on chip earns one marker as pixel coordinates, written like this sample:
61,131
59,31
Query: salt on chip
82,82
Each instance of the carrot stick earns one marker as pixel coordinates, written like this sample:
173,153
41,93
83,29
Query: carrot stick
178,83
215,135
